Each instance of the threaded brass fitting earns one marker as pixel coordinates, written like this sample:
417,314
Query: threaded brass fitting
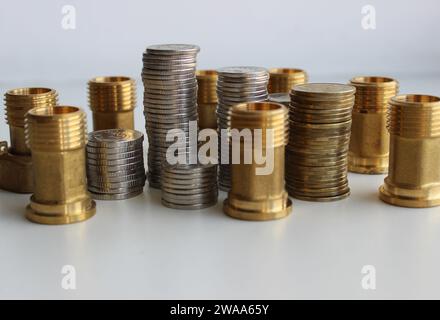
283,79
57,139
16,163
414,172
207,98
112,101
369,141
253,196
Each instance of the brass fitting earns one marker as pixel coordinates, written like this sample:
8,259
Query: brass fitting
414,173
207,98
57,139
369,141
112,101
15,161
283,79
253,196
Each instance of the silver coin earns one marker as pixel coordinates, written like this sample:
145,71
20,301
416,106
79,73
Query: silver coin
114,137
173,49
241,70
117,196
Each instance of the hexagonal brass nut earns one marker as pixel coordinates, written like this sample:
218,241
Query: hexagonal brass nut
15,171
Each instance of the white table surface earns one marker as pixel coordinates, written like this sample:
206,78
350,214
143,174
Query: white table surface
140,249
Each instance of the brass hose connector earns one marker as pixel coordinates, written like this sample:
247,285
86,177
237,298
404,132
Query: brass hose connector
414,173
112,101
369,141
283,79
253,196
15,161
57,138
207,98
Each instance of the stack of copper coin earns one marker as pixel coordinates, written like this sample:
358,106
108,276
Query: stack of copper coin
320,126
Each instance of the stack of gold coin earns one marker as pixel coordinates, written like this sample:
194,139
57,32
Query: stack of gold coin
207,98
115,164
189,187
283,79
316,156
236,85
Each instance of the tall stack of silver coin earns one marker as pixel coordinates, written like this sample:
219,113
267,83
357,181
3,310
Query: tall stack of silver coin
170,100
115,164
189,187
236,85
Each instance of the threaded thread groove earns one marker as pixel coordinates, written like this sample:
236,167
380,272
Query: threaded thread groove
56,129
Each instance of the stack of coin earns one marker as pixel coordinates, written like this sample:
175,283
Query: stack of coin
189,187
170,100
207,98
316,156
283,79
236,85
115,164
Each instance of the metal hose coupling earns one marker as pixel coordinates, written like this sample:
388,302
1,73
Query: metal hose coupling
112,101
254,195
207,98
57,139
414,173
283,79
15,161
369,141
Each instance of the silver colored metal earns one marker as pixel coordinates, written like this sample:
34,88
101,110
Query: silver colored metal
115,164
170,99
189,187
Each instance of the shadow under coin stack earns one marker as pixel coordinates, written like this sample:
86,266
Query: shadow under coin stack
236,85
170,100
115,164
316,157
189,187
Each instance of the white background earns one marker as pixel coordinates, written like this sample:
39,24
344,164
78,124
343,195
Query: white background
137,248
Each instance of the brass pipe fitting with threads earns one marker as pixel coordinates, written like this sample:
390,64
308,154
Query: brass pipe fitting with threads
255,196
283,79
16,161
207,98
57,139
112,101
369,141
414,172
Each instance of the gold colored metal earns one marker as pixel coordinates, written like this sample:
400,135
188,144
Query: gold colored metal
112,101
57,139
283,79
414,172
207,98
252,196
15,161
369,141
